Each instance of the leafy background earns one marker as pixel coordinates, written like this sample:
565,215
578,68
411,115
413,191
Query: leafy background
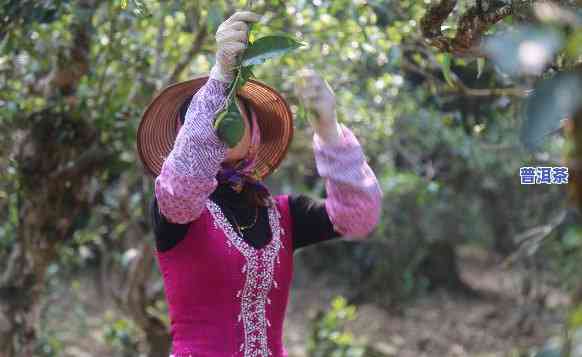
465,262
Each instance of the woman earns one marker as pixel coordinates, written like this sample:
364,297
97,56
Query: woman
224,244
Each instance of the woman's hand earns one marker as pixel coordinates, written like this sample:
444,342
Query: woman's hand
318,97
231,40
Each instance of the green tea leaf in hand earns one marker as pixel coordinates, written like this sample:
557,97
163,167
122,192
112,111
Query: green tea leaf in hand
242,76
229,127
245,74
269,47
255,30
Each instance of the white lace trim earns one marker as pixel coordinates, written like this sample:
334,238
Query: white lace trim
259,267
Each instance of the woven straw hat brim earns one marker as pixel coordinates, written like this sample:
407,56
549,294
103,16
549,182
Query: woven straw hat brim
160,123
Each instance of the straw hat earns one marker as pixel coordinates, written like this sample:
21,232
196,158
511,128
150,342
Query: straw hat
160,124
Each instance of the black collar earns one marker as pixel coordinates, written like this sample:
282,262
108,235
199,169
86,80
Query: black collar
226,195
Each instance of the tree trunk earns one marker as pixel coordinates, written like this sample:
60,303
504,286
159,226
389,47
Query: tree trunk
56,156
496,212
158,339
54,192
20,292
441,268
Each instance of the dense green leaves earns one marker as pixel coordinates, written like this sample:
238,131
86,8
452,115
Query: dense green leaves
136,7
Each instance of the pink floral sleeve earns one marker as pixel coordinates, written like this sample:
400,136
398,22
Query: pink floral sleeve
354,196
188,174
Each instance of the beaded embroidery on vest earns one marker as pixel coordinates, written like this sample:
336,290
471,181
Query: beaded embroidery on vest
259,267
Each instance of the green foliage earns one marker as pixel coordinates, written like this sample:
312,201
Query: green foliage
446,62
575,320
121,334
50,345
26,12
569,345
328,337
9,193
135,7
574,46
564,253
54,337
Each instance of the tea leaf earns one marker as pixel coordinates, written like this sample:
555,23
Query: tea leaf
243,76
229,126
268,47
447,69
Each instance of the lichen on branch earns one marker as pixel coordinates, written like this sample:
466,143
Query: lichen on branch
471,27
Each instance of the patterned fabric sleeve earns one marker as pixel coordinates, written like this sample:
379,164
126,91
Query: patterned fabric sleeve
354,196
188,174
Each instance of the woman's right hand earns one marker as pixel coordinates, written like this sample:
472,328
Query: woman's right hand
231,40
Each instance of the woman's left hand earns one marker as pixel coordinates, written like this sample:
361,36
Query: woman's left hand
318,97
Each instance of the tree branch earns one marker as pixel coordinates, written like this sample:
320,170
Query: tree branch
471,27
69,70
93,157
462,88
194,50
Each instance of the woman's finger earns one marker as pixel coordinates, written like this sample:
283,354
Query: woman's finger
310,82
312,89
306,71
317,86
310,92
239,26
305,75
234,48
310,95
233,36
228,54
315,80
247,16
311,101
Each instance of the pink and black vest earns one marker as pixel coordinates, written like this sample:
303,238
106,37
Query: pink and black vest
225,297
